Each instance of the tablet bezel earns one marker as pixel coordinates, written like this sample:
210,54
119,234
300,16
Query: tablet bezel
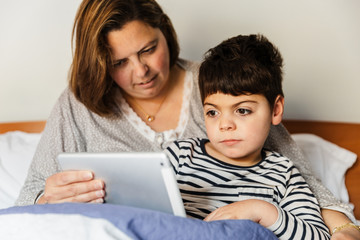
138,179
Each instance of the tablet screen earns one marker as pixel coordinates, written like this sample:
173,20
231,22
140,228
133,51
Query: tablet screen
144,180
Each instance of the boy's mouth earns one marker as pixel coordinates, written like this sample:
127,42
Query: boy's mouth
230,142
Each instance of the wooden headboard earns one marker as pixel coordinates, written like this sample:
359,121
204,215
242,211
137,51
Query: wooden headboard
29,127
346,135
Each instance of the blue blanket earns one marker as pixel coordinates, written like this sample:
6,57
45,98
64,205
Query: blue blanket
107,221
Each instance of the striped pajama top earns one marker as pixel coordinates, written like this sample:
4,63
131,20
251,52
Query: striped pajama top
206,184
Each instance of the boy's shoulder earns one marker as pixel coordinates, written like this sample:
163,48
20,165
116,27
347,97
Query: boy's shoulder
276,157
188,145
185,147
189,142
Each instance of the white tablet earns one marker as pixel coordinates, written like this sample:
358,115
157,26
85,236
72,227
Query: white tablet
144,180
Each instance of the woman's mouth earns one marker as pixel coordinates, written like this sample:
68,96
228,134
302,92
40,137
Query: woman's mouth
143,83
148,82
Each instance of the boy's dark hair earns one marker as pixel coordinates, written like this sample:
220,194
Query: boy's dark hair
242,65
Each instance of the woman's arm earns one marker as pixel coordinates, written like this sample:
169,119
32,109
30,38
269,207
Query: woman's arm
58,136
335,219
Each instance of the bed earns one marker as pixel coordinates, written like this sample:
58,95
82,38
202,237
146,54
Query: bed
336,144
345,135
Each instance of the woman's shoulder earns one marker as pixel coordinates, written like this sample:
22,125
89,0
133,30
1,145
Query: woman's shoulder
192,69
66,96
68,101
67,106
188,65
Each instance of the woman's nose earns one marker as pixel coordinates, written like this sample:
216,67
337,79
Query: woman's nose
141,68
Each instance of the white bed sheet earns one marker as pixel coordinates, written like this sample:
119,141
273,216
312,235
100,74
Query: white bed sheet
16,152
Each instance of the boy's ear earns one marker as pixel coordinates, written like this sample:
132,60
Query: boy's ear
278,110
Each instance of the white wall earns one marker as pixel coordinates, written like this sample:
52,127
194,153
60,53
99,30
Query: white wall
319,40
35,55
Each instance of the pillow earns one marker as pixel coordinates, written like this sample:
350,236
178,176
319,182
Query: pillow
328,161
16,152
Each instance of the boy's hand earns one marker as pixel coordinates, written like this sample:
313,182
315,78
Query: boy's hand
258,211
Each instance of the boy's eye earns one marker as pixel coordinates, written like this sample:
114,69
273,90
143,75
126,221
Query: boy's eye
211,113
243,111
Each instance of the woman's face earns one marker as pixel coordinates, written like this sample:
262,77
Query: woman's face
141,59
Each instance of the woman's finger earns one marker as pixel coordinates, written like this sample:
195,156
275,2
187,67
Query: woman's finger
89,197
75,189
68,185
68,177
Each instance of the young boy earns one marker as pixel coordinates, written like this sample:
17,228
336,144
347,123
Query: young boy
230,175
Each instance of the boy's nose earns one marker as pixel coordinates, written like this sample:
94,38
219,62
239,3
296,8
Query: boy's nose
227,125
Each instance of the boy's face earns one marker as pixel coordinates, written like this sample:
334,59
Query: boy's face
237,126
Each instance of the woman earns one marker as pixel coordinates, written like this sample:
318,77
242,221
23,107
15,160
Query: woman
128,91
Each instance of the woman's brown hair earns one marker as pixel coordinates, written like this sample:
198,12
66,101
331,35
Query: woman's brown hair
90,80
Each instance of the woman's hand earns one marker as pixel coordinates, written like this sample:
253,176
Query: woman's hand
258,211
346,234
335,219
73,186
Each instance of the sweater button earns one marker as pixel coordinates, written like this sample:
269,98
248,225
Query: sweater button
160,139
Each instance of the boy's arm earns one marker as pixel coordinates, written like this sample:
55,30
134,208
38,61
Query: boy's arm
299,212
297,216
252,209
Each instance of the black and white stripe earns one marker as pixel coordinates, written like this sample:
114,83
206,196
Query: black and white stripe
207,184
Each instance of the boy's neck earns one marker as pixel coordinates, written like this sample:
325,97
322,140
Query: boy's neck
246,161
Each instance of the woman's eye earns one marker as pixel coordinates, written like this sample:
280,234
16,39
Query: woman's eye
243,111
149,50
211,113
120,63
